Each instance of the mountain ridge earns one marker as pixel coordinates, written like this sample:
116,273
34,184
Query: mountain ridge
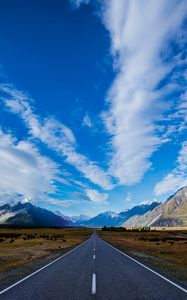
27,214
172,212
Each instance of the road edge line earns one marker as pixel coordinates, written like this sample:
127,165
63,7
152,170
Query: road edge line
42,268
149,269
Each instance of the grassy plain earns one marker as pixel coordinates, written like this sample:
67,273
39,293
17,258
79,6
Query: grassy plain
23,250
165,251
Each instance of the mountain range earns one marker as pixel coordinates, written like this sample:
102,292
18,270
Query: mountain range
110,218
173,212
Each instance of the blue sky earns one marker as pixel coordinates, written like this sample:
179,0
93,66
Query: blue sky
93,103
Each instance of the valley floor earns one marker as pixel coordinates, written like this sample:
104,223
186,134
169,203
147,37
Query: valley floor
165,251
23,251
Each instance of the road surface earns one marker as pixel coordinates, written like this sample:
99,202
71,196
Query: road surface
94,270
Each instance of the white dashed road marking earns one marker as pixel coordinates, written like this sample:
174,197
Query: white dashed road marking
93,284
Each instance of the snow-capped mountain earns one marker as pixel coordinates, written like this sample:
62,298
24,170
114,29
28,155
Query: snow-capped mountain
24,213
74,220
173,212
138,210
103,219
110,218
79,220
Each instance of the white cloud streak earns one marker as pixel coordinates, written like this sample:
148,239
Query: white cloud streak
129,197
96,197
77,3
177,178
140,33
65,203
55,135
87,121
24,172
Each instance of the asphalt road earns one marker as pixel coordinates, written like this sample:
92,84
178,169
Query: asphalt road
94,270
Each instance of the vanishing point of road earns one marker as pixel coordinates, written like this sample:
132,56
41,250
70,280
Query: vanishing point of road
94,270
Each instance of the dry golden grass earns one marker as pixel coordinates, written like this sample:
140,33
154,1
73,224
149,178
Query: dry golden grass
165,250
22,246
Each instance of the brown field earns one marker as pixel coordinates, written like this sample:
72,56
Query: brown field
165,251
24,250
169,228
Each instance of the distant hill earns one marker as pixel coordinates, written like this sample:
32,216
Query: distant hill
74,220
106,218
173,212
80,220
110,218
27,214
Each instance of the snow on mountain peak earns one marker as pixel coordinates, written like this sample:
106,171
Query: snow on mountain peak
149,202
26,200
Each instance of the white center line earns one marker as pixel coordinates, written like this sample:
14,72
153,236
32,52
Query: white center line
93,284
94,256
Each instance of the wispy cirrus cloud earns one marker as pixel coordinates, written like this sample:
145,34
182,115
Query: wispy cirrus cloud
92,195
77,3
96,197
64,203
140,33
87,121
129,197
177,178
24,172
137,103
55,135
